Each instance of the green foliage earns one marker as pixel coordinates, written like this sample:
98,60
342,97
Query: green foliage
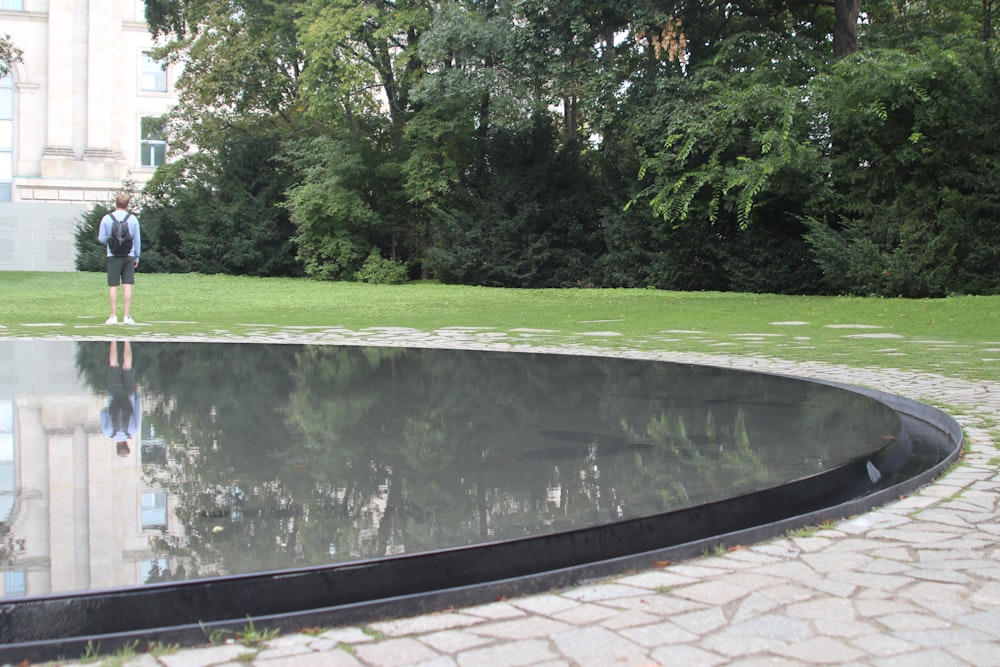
572,58
770,256
442,137
157,649
91,254
733,140
241,65
332,207
857,259
215,636
9,55
378,270
218,211
472,87
915,173
522,216
350,48
764,162
629,248
888,155
472,55
729,168
92,653
254,637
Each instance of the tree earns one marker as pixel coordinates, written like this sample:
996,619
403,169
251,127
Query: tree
242,61
334,207
472,88
362,57
219,210
845,29
522,215
744,118
915,174
9,55
498,142
732,139
363,63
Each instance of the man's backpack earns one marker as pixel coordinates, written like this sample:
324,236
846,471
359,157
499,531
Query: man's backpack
120,241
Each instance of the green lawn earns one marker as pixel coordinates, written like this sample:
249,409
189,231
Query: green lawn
956,336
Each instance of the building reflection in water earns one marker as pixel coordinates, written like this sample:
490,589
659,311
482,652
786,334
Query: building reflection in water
75,514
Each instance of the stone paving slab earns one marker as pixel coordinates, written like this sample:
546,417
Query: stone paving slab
914,582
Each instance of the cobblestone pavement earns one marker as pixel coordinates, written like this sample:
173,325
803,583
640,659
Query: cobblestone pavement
914,582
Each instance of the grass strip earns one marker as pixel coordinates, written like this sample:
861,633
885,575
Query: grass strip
955,336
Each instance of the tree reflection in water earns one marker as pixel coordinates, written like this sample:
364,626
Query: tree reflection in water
281,456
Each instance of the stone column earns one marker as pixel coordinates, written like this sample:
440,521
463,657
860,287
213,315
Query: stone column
59,123
62,509
81,507
107,57
105,544
33,523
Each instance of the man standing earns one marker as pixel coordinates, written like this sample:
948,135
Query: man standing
122,254
122,419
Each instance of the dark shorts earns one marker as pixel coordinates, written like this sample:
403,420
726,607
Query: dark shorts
121,270
121,382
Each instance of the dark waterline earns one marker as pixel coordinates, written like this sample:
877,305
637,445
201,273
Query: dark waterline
251,458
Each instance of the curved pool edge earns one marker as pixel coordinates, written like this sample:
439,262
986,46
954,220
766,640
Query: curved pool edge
479,592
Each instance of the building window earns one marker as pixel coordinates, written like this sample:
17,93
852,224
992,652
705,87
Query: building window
15,584
6,137
154,509
11,4
154,74
153,144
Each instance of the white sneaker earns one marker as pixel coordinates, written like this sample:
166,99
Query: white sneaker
128,320
112,320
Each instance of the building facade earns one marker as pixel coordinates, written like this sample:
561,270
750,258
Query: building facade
79,117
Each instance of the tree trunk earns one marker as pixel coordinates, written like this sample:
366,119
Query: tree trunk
845,27
571,116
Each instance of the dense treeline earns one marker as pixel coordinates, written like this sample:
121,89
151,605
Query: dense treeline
792,146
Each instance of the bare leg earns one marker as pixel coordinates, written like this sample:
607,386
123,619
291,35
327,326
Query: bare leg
113,355
113,298
127,356
127,290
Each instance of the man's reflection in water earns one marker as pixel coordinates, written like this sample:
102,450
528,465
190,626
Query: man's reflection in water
120,420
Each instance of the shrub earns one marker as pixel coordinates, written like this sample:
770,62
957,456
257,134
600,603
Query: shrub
91,253
378,270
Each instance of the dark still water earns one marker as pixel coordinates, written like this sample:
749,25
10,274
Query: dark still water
127,465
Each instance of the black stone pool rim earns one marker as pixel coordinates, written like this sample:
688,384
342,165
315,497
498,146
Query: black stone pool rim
66,625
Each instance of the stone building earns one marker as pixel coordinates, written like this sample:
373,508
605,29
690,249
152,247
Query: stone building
79,117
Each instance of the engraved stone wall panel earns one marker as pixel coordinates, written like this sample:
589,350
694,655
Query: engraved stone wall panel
8,241
38,237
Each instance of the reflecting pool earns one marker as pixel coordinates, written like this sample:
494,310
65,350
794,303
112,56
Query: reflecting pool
133,464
